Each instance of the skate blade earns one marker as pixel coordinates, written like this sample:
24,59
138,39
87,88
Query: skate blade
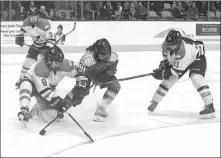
23,122
99,119
208,116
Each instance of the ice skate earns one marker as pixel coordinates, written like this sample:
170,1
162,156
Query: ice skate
17,84
208,112
24,116
100,114
152,106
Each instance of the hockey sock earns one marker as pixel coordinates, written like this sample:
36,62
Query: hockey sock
25,94
160,93
206,95
26,66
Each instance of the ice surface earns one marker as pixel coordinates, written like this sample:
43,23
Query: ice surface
174,129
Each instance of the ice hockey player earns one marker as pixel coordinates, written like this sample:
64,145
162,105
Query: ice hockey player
40,31
180,55
100,66
39,82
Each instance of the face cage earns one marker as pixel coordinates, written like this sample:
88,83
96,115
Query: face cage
30,17
104,56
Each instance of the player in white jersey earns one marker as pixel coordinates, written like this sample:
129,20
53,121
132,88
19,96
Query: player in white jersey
40,31
40,82
180,55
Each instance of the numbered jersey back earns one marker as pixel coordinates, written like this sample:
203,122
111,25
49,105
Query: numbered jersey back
201,47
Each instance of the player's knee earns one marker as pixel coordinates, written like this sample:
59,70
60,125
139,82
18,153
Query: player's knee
169,83
198,80
26,85
76,96
115,87
33,54
111,93
25,93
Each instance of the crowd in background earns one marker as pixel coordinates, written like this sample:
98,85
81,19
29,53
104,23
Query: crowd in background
114,10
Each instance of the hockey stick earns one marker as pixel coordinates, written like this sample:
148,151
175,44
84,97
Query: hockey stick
66,33
81,127
132,77
43,131
129,78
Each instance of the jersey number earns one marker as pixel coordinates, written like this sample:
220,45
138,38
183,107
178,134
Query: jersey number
201,49
176,64
44,82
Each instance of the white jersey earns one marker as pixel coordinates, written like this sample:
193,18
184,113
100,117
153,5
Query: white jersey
182,58
44,79
40,32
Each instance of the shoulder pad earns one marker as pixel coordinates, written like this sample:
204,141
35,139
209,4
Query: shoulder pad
164,46
41,69
68,65
43,24
114,57
181,52
26,23
88,59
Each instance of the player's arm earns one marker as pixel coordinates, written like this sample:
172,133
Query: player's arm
164,50
112,69
69,68
48,94
181,62
19,38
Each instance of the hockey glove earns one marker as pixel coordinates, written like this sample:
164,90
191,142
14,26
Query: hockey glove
19,39
64,37
164,64
166,74
58,104
157,74
45,50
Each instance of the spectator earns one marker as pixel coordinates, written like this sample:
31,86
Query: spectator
20,13
213,7
141,13
32,4
110,11
13,14
126,11
177,10
87,12
193,12
4,16
57,16
132,11
202,8
42,12
158,7
218,5
185,5
118,11
51,13
98,7
103,12
151,6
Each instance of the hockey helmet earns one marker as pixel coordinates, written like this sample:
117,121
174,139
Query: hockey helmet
32,11
173,37
61,27
54,54
103,49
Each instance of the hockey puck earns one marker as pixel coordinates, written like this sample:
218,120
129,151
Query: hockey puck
42,132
